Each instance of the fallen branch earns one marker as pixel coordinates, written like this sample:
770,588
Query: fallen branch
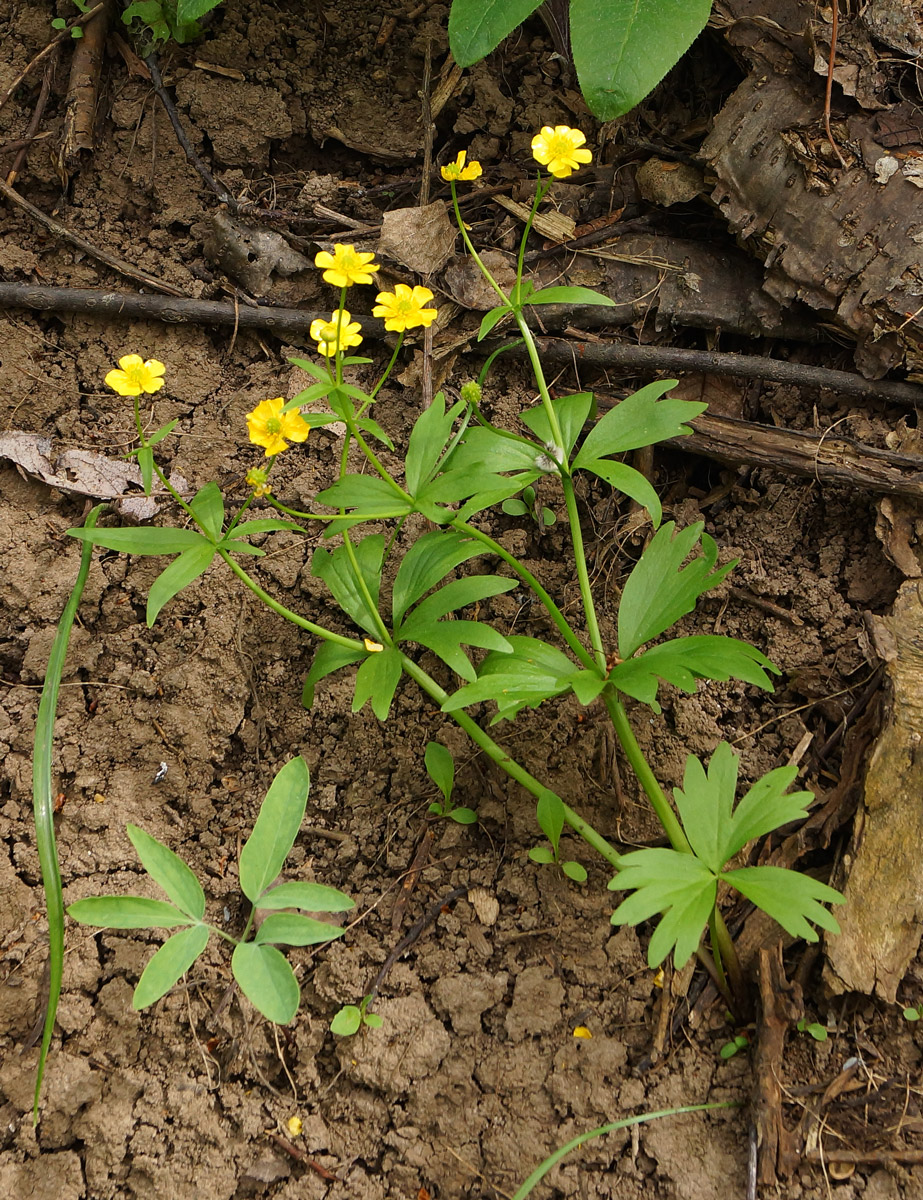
83,89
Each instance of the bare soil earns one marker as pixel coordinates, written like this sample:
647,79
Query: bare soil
476,1073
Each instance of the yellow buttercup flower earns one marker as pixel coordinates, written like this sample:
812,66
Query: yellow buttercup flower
458,170
136,376
257,479
273,429
339,333
559,150
404,308
346,266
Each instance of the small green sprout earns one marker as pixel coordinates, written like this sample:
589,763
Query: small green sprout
440,767
77,31
817,1032
351,1017
573,870
528,505
262,972
913,1014
734,1046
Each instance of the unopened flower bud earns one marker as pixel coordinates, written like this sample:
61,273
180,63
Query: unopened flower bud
471,392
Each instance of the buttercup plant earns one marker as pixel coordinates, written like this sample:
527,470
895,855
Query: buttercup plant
262,972
456,465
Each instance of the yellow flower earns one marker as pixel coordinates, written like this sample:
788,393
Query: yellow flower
557,149
458,170
338,333
270,427
372,647
581,1031
346,266
256,478
295,1126
404,308
136,376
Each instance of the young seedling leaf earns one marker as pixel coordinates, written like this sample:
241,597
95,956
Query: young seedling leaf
572,412
185,568
789,897
629,481
683,661
142,540
462,816
377,680
569,295
347,1021
312,897
478,26
292,929
514,507
639,420
267,981
170,872
677,885
440,767
169,964
208,506
549,812
336,570
541,854
276,828
575,871
622,48
427,563
330,657
127,912
660,590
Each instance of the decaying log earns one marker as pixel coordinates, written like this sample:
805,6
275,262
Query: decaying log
83,89
847,242
881,919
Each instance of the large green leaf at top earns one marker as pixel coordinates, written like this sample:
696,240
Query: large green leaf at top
335,568
623,48
684,660
660,590
427,563
476,27
639,420
276,828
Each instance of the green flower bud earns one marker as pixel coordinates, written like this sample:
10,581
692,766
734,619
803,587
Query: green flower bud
471,392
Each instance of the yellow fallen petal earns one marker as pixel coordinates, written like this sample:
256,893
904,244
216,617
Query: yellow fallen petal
581,1031
372,647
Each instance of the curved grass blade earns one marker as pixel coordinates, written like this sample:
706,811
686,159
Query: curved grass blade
43,804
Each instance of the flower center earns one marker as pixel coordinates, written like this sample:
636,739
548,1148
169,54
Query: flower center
273,425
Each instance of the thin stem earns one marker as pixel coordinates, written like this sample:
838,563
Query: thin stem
318,630
646,777
533,584
540,193
726,955
380,384
583,575
498,755
536,363
370,603
469,245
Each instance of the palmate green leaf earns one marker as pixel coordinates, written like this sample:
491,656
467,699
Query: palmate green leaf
208,506
486,448
428,438
142,540
313,897
478,26
669,882
569,295
445,638
626,479
623,48
291,929
377,680
336,570
572,412
682,661
169,964
330,657
169,871
427,563
534,672
660,590
639,420
369,494
789,897
179,574
276,828
127,912
267,981
716,831
440,767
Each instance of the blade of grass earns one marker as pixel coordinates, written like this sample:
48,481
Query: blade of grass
43,804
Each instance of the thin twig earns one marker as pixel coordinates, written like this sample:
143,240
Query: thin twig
300,1156
834,30
35,121
64,36
413,934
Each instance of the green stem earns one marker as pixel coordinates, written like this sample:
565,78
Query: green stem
536,364
363,587
388,369
646,777
318,630
583,575
725,955
469,245
512,768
